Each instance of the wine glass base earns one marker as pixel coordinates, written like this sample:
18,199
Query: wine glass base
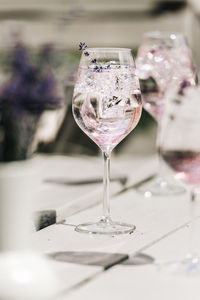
105,227
189,266
160,187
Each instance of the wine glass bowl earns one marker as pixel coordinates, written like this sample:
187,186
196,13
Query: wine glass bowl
107,100
106,106
163,58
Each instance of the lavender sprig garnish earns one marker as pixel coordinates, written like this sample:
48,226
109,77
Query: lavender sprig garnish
82,46
100,68
97,68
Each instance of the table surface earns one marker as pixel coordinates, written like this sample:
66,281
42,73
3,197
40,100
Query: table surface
123,266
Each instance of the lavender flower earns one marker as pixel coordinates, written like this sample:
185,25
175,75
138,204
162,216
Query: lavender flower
86,53
30,90
82,46
94,61
98,69
29,87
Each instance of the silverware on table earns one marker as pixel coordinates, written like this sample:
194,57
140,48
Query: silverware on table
121,179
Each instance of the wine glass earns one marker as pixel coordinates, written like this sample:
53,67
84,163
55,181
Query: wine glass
163,59
106,106
180,149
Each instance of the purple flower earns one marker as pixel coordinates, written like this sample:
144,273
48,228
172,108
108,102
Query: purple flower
82,46
98,69
86,53
94,61
31,87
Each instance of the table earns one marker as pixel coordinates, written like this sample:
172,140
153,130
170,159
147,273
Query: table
126,266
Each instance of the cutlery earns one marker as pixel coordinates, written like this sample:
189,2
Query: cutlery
121,179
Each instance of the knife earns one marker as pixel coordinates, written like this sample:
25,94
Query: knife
121,179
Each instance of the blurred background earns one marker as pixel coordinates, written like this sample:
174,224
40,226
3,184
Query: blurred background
63,24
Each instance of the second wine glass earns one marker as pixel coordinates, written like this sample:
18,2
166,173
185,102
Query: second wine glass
163,59
106,106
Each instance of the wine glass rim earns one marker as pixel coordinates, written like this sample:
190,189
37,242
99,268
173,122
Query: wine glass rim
163,34
108,49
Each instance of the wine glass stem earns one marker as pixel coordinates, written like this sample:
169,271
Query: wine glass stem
106,187
161,166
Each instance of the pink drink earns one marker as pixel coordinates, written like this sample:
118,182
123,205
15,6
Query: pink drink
186,164
164,64
107,104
